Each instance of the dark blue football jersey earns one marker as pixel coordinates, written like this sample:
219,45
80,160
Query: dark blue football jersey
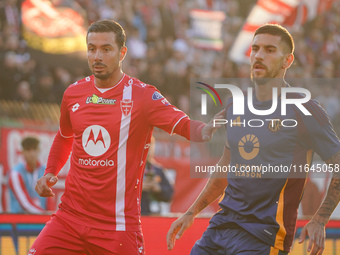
266,203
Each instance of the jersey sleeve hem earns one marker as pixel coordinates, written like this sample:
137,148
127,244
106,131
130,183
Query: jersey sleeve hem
174,126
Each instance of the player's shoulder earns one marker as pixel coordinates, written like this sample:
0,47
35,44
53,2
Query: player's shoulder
146,89
312,106
138,84
149,93
76,86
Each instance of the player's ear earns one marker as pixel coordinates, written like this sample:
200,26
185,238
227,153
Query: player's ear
288,61
122,53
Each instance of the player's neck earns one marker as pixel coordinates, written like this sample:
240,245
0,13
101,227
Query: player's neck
109,82
264,92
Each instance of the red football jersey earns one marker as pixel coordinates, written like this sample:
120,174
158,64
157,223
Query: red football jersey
112,132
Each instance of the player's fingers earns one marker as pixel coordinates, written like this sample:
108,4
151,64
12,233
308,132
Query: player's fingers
38,186
311,243
321,250
220,114
45,191
181,231
302,235
321,245
42,189
52,181
206,138
315,250
170,237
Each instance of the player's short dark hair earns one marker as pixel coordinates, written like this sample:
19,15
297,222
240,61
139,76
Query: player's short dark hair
275,29
107,25
30,142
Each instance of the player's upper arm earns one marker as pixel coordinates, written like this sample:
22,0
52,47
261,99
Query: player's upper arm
159,112
65,122
321,133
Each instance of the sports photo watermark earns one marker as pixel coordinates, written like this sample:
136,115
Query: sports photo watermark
285,131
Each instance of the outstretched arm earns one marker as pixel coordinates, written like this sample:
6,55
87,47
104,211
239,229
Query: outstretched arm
198,131
212,190
315,228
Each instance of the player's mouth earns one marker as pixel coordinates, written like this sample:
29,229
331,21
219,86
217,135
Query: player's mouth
259,67
98,67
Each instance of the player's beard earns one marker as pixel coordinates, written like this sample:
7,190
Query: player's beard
270,74
108,74
102,76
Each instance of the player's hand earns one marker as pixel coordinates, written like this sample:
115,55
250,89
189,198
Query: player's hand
316,232
210,129
177,229
44,183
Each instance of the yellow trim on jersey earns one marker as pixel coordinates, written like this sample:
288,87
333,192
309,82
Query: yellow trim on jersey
274,251
309,157
281,234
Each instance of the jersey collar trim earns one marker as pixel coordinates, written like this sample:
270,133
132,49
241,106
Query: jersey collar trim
103,90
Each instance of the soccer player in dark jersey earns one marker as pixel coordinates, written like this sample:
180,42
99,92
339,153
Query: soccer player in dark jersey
107,121
258,215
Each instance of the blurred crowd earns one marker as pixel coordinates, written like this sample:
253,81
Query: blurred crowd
161,51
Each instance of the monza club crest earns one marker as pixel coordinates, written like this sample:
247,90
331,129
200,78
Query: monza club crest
126,106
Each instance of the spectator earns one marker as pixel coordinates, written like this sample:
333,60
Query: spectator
8,75
154,75
63,79
176,68
22,179
46,89
137,47
156,186
24,92
317,43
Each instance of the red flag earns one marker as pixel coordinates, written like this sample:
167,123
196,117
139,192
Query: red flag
288,13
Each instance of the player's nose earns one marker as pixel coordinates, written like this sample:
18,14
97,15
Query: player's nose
259,54
98,56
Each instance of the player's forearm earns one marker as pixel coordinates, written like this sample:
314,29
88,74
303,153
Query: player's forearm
213,189
59,153
333,194
190,129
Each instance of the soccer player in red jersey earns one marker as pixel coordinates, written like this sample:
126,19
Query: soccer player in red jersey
107,121
258,214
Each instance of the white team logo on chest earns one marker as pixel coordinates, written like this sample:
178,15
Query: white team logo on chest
126,106
96,140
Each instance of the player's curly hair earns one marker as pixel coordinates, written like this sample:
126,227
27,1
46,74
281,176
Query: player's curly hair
107,25
275,29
